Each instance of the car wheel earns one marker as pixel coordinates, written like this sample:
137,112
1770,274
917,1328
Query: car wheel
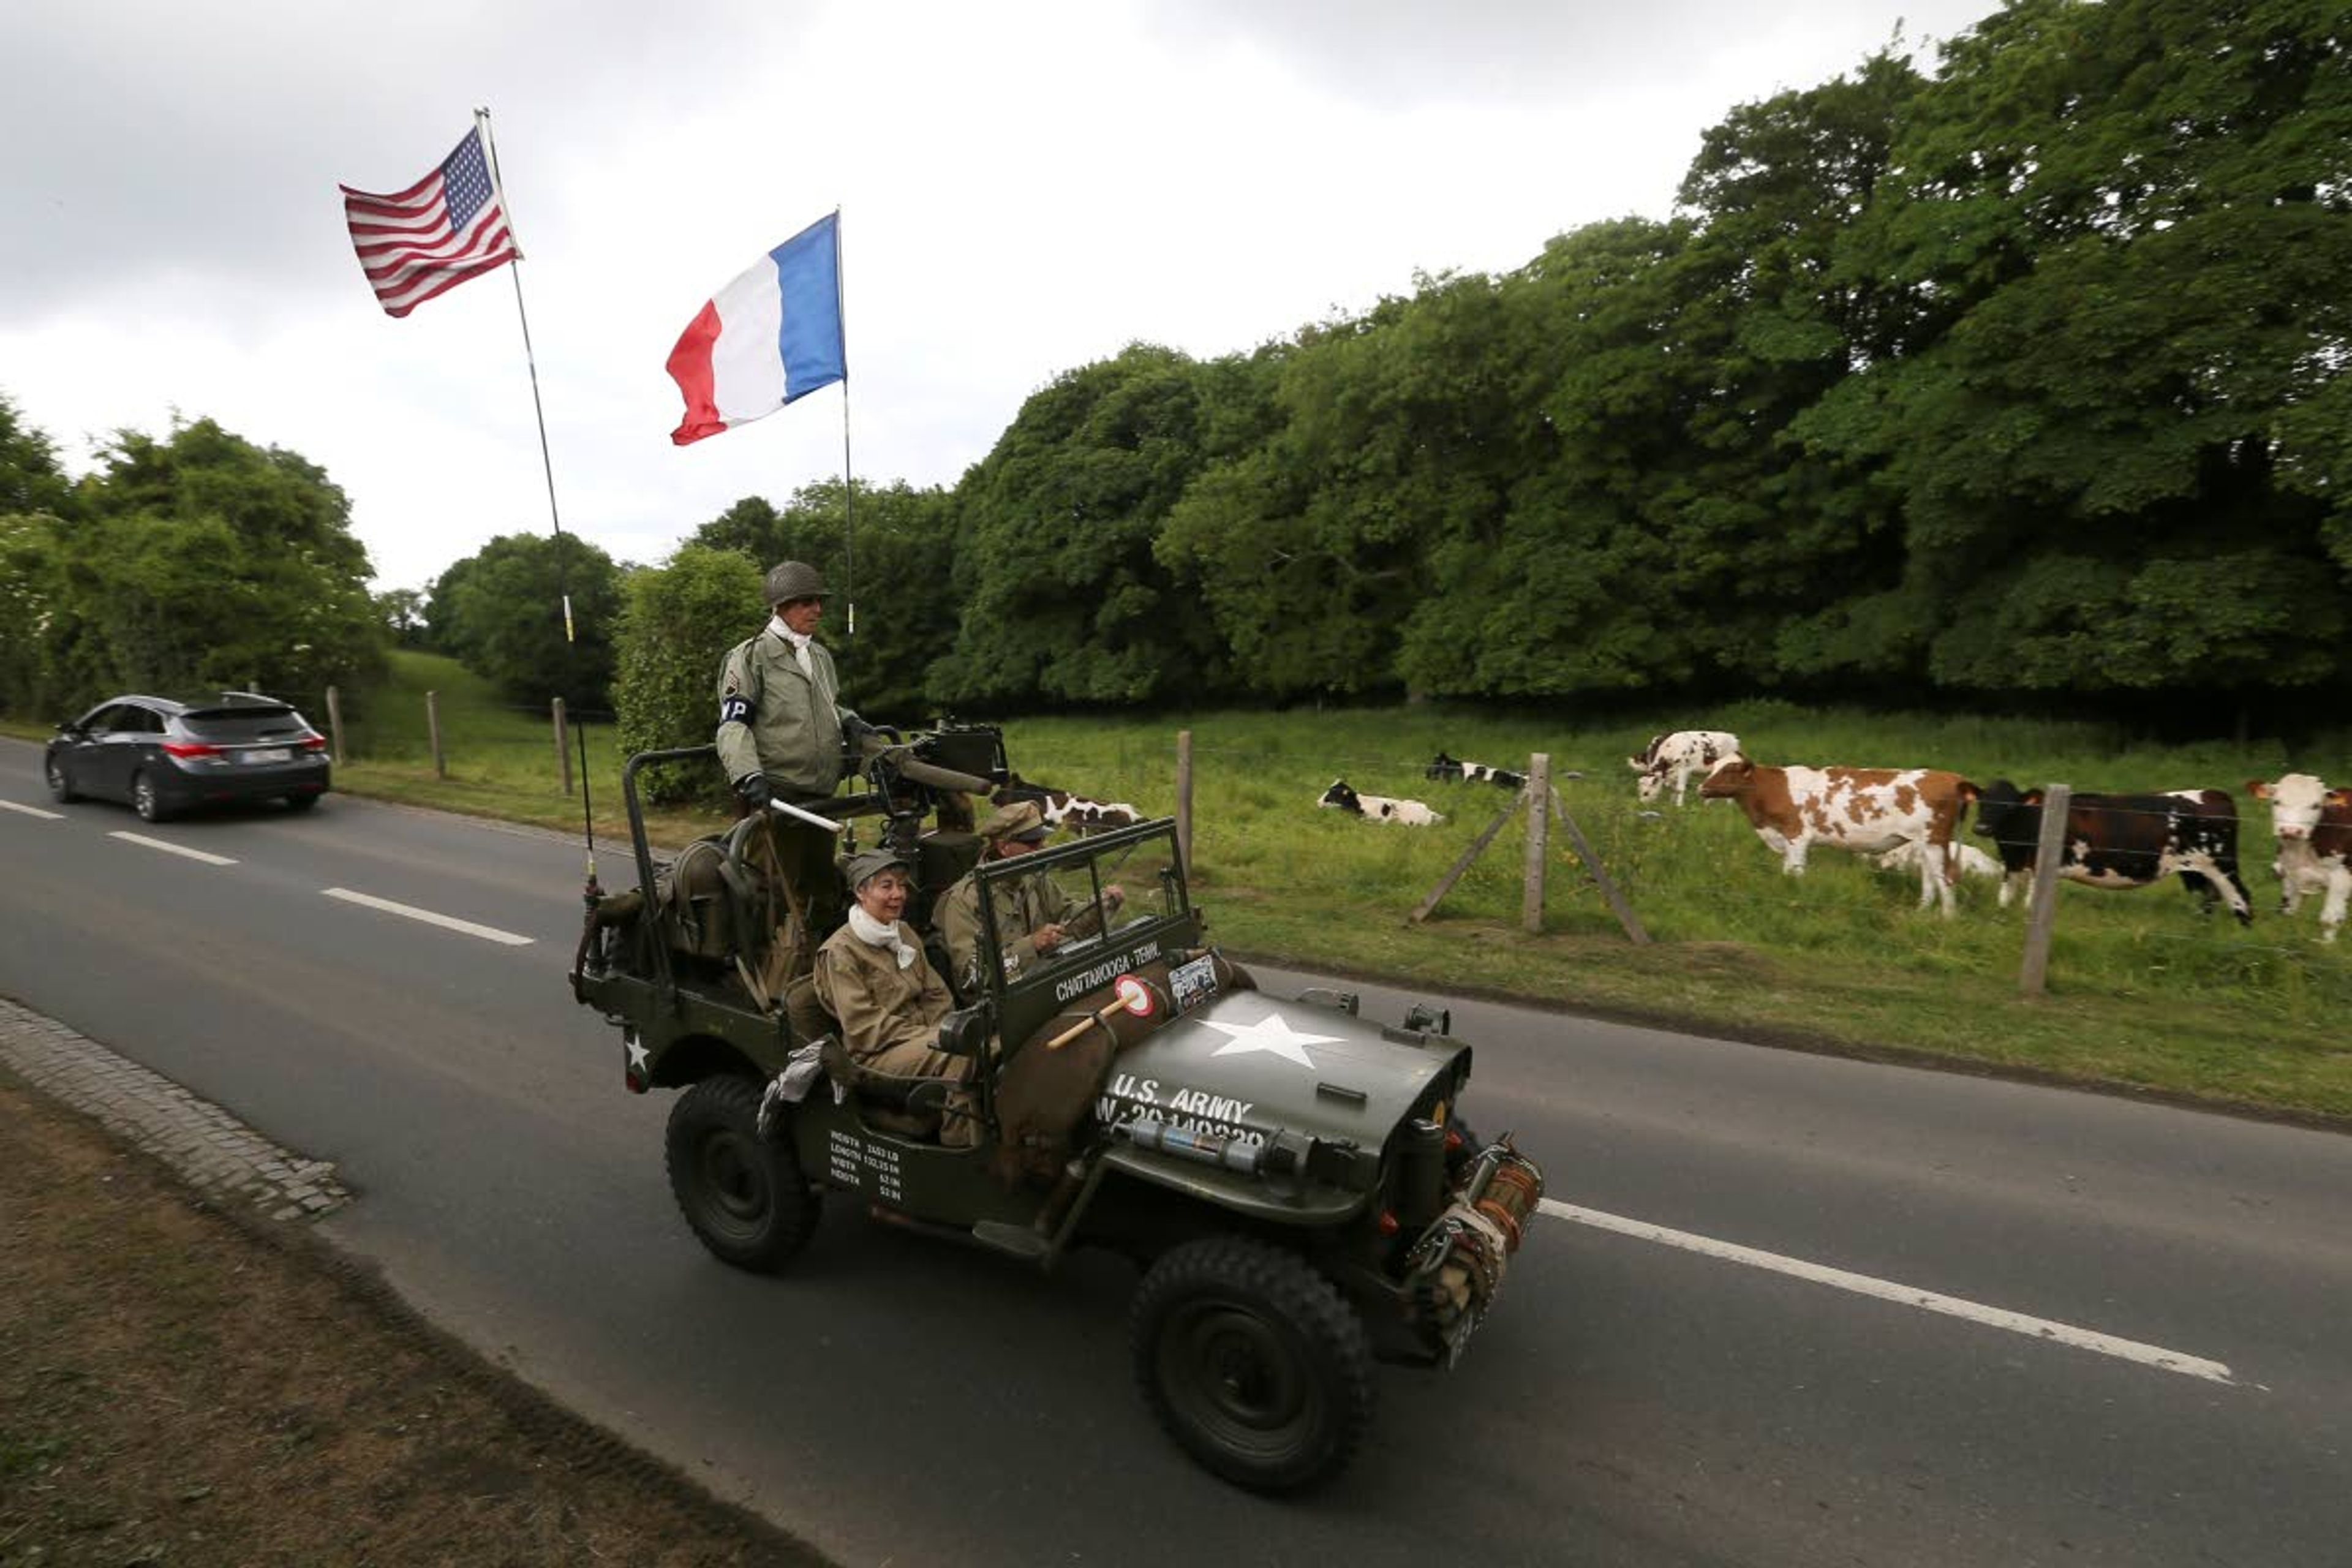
1253,1362
301,801
145,801
742,1194
61,787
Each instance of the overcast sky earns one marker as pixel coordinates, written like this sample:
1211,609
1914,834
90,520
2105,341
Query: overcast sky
1024,188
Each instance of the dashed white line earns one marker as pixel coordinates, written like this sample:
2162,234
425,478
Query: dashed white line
170,848
1904,1295
33,811
448,922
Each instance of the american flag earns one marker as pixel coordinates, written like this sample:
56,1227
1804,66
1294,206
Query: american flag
425,240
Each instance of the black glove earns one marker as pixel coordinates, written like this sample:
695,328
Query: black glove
753,789
854,732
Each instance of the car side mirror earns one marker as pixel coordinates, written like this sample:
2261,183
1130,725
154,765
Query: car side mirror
69,729
964,1033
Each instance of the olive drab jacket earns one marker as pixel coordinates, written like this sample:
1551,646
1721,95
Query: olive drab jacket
889,1016
775,720
1021,905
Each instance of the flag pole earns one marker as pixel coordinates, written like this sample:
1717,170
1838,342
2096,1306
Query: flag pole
849,474
547,465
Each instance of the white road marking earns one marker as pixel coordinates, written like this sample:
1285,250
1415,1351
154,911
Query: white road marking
33,811
170,848
448,922
1904,1295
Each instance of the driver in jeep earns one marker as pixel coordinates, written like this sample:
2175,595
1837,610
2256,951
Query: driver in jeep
871,975
1031,913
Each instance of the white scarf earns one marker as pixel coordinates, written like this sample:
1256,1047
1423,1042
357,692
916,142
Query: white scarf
800,645
875,933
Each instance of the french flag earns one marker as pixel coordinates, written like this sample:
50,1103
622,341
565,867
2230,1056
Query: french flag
770,336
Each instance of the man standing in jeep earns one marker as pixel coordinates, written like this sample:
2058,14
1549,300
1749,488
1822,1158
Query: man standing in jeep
780,733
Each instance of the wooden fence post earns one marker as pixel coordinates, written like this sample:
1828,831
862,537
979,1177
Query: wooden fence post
563,751
1184,799
335,722
433,730
1538,790
2043,902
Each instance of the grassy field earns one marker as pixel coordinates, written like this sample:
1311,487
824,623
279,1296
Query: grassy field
2144,991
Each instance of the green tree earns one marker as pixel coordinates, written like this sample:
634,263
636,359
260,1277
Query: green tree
678,621
402,611
34,495
202,560
501,613
1064,600
900,581
30,480
2124,227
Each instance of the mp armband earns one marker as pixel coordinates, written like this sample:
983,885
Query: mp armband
734,711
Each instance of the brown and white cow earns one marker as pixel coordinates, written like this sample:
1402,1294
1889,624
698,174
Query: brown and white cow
2124,841
1868,810
1679,756
2313,825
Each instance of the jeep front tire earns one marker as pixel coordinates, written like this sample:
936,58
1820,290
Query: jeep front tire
741,1194
1253,1362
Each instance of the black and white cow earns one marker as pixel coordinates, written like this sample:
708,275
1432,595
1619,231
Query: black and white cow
1446,767
2122,841
1680,755
1063,809
2313,825
1379,807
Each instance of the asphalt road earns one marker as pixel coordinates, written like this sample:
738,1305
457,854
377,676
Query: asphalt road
1633,1400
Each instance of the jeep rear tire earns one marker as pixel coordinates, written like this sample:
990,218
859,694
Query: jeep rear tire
1253,1362
742,1194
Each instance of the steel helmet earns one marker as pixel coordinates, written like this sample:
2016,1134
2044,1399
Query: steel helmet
793,579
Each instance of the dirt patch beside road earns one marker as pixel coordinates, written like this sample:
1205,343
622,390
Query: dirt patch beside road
179,1385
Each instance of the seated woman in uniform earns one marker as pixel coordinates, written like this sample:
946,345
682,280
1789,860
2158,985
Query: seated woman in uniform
872,977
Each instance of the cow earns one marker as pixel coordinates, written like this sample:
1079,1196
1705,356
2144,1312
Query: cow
2313,825
2124,841
1446,767
1967,860
1683,753
1412,812
1063,809
1871,811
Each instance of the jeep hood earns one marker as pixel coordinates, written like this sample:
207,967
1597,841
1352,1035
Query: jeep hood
1250,1062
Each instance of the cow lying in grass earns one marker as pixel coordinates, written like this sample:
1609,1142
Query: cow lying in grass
1380,808
1871,811
1063,809
1446,767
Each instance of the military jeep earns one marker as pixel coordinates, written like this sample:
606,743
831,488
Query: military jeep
1295,1183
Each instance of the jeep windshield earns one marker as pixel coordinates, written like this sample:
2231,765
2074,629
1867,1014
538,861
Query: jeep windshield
1128,907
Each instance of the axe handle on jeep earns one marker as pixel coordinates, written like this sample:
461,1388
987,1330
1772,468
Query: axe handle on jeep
1089,1022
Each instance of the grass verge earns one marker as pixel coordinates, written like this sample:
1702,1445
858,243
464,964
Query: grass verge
180,1385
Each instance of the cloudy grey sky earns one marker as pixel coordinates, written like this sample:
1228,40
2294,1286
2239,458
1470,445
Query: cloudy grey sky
1024,188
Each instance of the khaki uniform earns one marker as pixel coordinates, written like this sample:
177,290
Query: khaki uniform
1021,907
889,1016
787,724
776,720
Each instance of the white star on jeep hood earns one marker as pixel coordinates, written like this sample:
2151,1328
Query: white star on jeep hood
1271,1033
